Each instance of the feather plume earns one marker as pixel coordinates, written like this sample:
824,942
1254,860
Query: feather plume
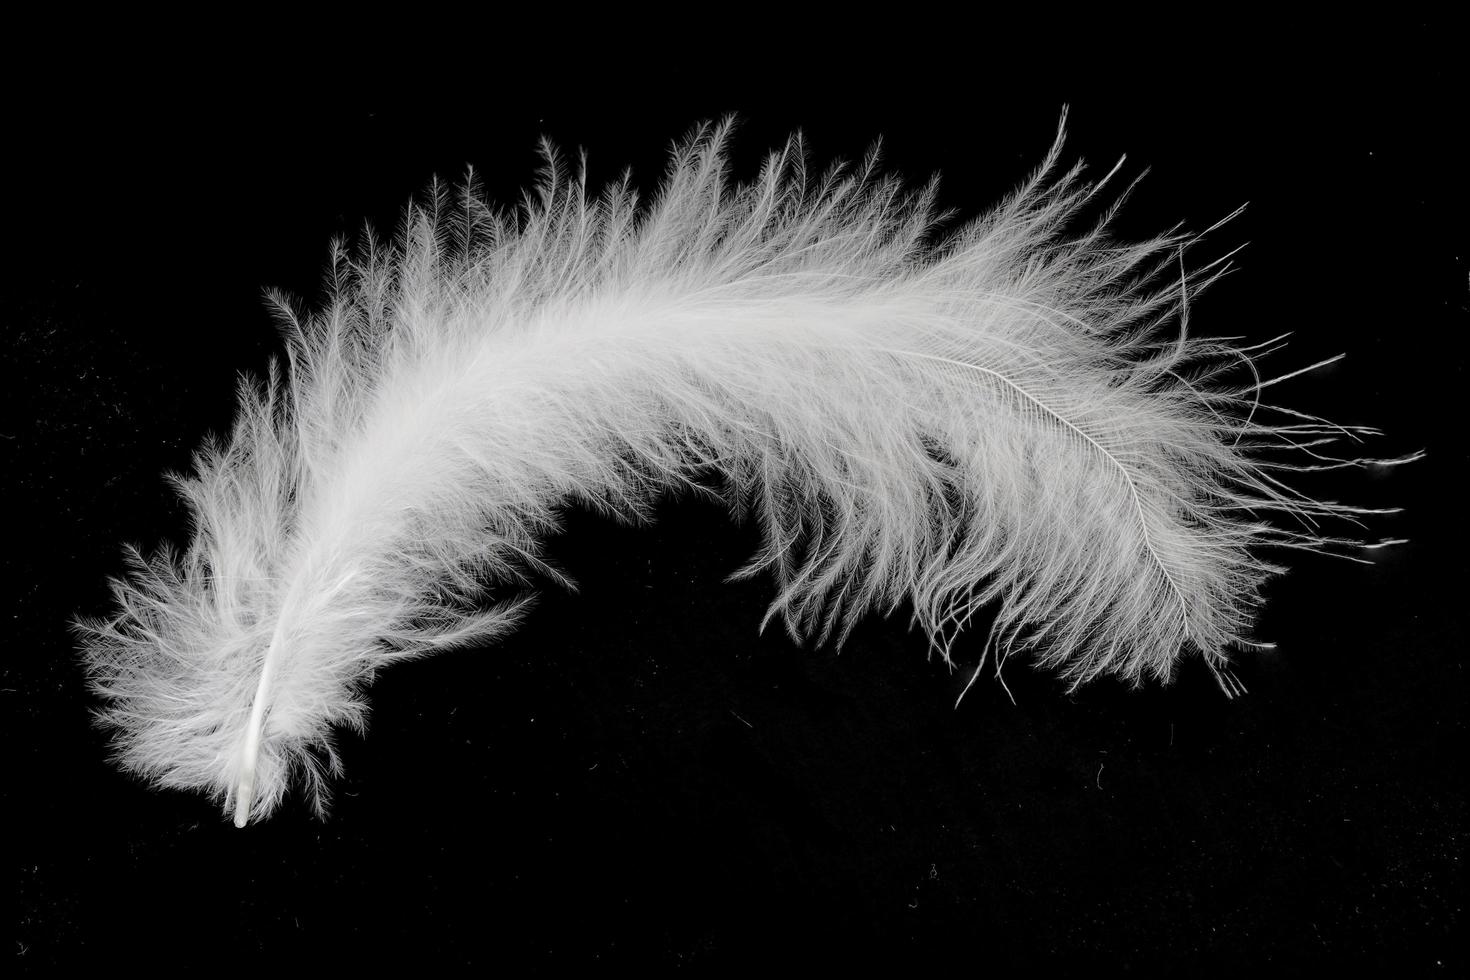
1012,416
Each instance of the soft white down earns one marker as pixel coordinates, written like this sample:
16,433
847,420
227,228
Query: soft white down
1010,416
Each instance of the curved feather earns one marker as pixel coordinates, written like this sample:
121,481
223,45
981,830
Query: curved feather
1011,416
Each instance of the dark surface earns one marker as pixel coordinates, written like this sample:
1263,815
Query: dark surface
635,777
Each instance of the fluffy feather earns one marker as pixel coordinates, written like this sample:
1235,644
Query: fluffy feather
1012,416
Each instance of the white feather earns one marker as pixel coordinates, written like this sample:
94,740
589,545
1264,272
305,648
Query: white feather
1007,417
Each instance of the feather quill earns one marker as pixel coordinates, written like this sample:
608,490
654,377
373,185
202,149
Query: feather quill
1012,416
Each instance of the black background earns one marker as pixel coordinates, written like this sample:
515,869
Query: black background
636,777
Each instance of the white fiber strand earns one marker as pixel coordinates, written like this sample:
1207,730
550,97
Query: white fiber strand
1011,418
